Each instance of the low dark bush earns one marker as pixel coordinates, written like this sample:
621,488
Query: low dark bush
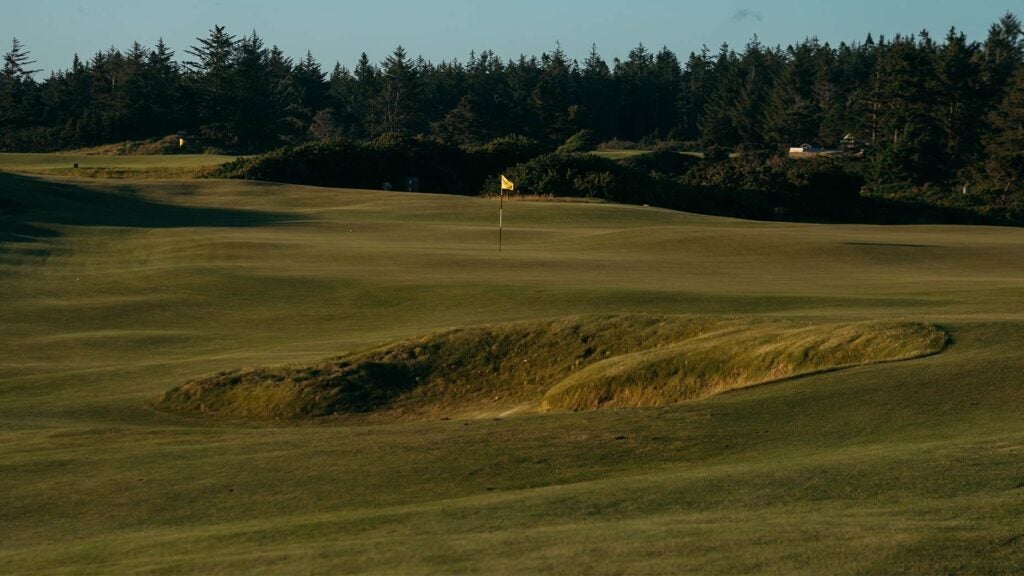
437,167
666,163
579,176
390,159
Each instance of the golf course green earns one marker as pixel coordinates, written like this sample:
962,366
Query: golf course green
109,166
903,459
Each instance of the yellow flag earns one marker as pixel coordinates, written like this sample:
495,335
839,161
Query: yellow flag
507,184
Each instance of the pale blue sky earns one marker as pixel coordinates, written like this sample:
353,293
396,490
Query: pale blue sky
53,30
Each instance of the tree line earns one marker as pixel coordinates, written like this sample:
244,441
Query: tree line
925,111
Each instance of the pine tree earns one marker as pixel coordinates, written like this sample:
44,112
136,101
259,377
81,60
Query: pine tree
521,77
793,115
130,94
254,123
596,95
697,83
212,75
363,108
441,89
399,93
16,63
634,82
959,97
1004,146
162,90
487,80
756,68
72,102
668,94
342,96
462,125
717,125
104,119
310,84
909,146
17,88
552,95
831,96
292,120
1003,54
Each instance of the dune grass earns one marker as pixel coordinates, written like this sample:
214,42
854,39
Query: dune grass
734,357
581,363
115,292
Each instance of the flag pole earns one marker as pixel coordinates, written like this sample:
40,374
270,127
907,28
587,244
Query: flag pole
501,211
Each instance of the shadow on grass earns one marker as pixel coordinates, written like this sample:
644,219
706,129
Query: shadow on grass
28,204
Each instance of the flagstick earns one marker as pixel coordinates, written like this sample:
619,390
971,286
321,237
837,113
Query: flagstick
501,213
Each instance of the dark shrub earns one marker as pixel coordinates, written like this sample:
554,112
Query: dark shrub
579,175
390,158
664,162
439,167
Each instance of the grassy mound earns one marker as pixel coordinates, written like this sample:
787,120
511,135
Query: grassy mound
737,357
563,365
460,372
148,147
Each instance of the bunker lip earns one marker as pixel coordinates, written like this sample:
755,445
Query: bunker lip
566,364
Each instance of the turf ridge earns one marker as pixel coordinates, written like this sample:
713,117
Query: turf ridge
562,365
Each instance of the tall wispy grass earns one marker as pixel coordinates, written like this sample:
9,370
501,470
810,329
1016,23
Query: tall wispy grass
557,365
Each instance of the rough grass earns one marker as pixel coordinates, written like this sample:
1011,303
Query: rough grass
573,364
463,372
734,356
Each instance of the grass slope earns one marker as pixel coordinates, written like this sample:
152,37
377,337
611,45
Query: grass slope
620,154
112,166
900,468
581,363
732,357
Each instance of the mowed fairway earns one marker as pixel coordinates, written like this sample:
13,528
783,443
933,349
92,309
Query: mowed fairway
115,292
149,166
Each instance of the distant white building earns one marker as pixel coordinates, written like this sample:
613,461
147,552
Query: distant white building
806,149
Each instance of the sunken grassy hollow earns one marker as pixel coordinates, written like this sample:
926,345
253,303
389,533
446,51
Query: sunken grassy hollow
573,364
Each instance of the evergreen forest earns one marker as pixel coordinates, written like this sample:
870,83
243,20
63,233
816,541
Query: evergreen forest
919,115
